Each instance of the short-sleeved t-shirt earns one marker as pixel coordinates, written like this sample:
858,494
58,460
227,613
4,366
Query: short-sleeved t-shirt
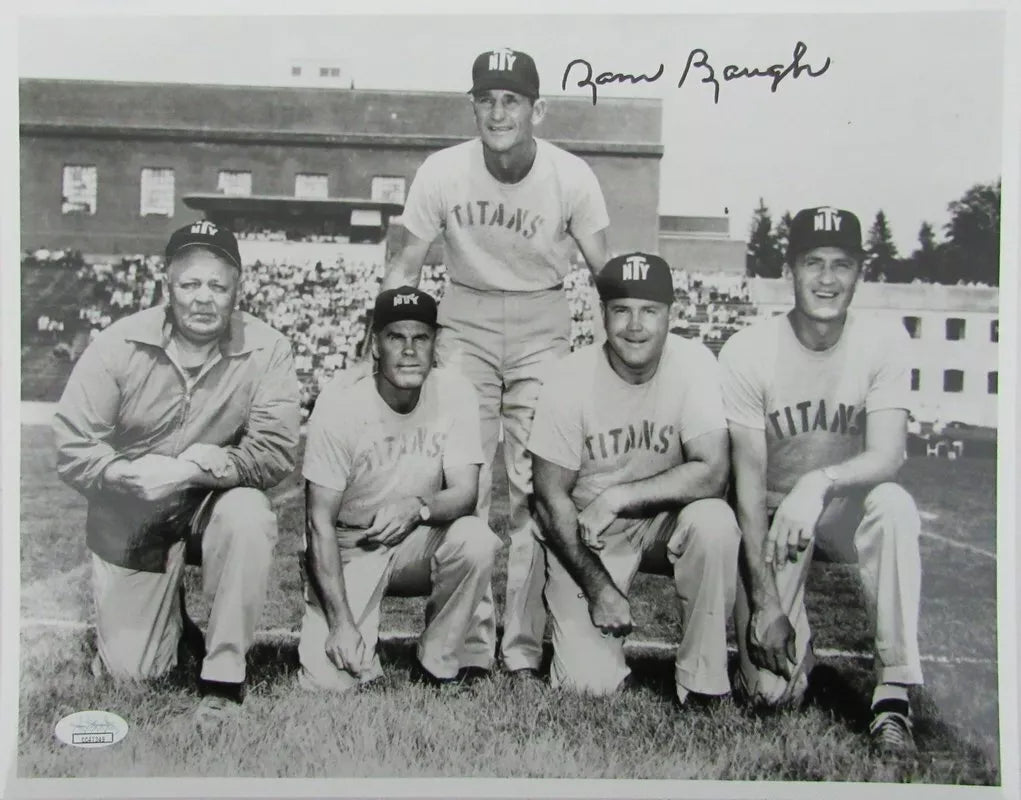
590,420
499,236
359,446
812,405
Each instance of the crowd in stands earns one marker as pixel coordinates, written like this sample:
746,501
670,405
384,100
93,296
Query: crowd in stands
323,307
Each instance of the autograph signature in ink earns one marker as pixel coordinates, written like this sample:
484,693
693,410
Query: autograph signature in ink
697,64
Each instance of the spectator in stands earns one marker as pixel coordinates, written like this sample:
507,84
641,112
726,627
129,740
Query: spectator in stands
173,424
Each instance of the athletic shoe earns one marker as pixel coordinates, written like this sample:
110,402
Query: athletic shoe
890,730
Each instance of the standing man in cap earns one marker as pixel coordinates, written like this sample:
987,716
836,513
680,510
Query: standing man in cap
508,206
173,424
817,401
391,470
630,457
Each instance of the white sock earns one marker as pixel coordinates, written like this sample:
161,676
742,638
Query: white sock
890,691
682,695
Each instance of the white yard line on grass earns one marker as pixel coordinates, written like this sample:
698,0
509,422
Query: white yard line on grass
962,545
632,646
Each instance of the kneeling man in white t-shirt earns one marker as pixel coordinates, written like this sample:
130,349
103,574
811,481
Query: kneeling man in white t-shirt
392,472
630,461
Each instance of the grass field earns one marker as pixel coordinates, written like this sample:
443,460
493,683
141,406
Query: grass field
499,729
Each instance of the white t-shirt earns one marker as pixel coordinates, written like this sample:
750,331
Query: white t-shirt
359,446
590,420
811,404
499,236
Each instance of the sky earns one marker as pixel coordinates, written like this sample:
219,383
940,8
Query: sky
906,117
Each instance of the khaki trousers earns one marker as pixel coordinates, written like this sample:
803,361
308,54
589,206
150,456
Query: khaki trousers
138,614
878,529
698,546
503,342
451,564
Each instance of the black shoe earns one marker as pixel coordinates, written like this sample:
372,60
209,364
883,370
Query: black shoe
696,701
525,675
234,692
469,675
419,674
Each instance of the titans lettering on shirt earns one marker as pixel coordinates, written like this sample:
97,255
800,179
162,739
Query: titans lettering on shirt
383,454
809,415
479,213
618,441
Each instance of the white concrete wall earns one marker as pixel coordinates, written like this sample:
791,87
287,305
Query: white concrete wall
975,355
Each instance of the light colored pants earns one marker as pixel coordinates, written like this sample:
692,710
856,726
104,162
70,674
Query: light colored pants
697,545
451,564
878,529
503,342
138,614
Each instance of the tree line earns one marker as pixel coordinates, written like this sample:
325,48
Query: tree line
968,252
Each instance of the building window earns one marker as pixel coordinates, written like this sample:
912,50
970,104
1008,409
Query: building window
324,72
913,326
916,379
953,380
994,331
78,190
296,71
311,186
955,329
993,382
386,189
234,183
334,72
157,191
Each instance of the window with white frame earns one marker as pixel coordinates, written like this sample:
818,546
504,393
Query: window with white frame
234,183
157,191
78,189
309,185
387,189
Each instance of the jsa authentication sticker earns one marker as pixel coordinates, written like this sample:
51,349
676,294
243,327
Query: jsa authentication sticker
91,729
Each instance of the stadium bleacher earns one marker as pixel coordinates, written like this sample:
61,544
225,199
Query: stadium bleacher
321,305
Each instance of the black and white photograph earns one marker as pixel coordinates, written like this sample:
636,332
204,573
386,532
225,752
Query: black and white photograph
577,403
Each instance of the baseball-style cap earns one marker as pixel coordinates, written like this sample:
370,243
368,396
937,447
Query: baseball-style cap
638,275
505,69
823,226
208,235
405,302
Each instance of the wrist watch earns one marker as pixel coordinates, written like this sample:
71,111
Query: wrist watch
423,512
830,475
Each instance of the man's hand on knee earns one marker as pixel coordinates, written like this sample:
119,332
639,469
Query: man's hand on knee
208,457
596,517
611,612
346,650
771,640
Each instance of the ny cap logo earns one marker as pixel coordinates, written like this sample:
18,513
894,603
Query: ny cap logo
634,268
827,219
406,300
205,228
502,59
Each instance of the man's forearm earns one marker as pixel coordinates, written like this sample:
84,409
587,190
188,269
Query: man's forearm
327,573
670,489
559,520
199,477
865,470
450,504
754,525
